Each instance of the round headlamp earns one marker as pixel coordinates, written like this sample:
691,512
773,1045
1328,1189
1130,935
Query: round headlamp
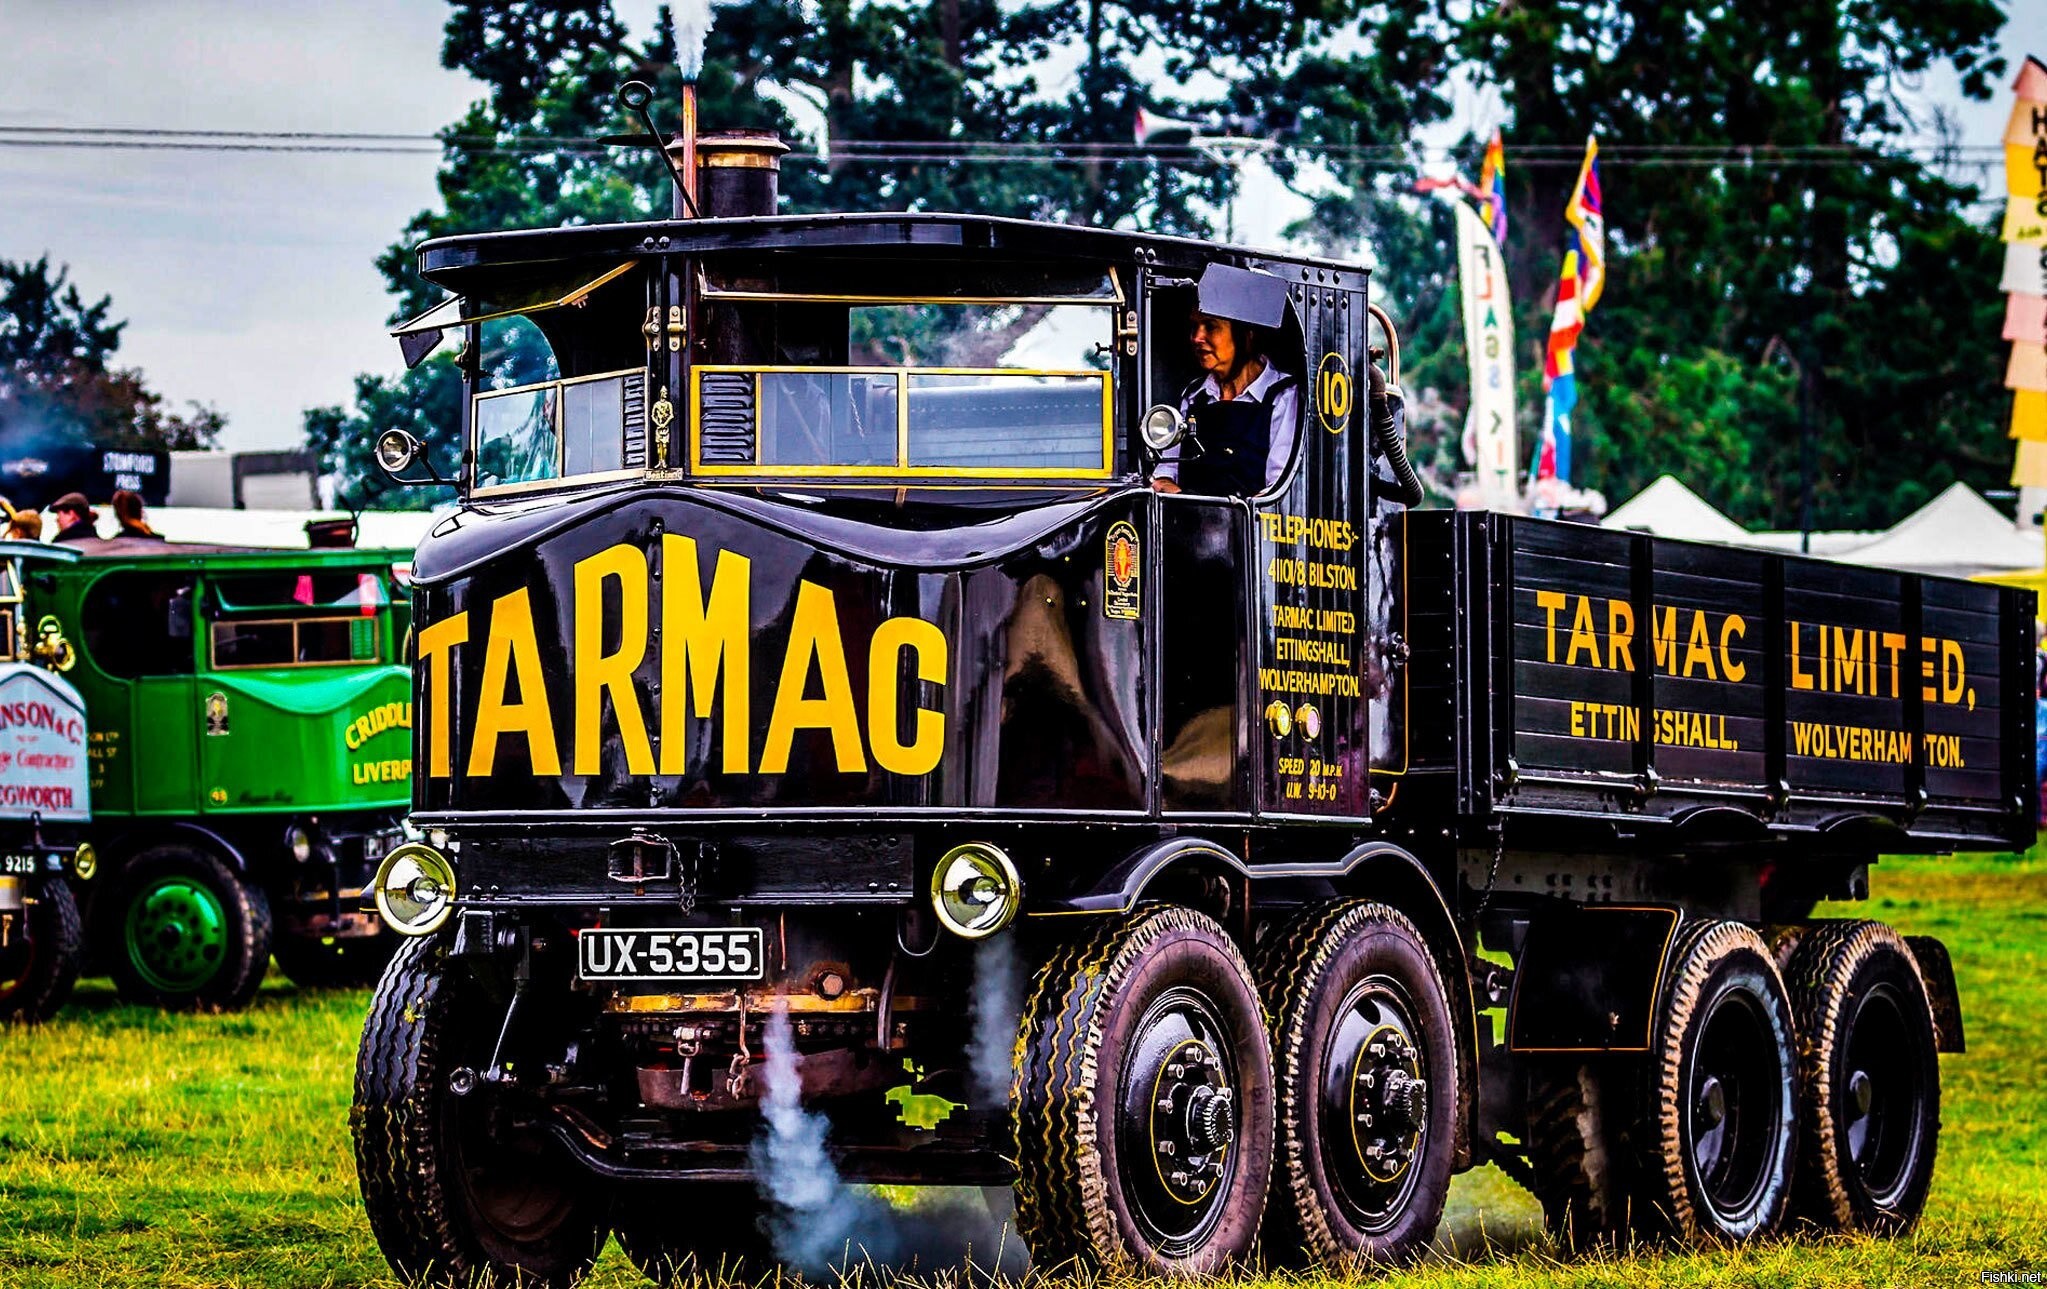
975,890
85,862
300,842
1162,427
396,450
415,889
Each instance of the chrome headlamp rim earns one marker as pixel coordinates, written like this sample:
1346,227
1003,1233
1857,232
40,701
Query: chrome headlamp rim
1000,889
395,450
415,877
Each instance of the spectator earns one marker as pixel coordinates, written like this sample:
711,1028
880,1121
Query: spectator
128,514
76,519
22,525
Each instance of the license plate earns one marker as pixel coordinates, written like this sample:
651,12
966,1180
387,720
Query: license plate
19,864
687,953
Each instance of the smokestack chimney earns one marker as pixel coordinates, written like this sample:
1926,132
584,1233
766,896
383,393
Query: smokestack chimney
738,172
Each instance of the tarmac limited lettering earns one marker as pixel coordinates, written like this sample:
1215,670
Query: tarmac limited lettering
705,668
1689,643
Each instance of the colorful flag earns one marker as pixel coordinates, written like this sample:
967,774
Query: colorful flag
2025,169
2028,367
1492,187
2029,415
2030,469
2025,317
1587,216
2025,223
1560,379
2025,270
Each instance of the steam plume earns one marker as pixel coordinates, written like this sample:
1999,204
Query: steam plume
819,1224
997,1005
692,28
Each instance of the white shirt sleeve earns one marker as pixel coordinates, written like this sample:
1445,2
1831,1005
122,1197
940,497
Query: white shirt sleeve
1286,419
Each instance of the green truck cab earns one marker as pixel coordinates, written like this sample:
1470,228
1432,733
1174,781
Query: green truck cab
251,758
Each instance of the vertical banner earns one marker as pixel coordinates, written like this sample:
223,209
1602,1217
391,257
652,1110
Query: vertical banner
2024,231
1490,445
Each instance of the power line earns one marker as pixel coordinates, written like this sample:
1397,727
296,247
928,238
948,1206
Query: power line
1388,157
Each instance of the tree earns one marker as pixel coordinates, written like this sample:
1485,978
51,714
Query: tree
426,401
1777,257
57,383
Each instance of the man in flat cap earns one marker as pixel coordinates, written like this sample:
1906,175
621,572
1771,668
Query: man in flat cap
75,518
1244,409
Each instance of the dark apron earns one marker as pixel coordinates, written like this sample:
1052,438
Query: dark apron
1235,438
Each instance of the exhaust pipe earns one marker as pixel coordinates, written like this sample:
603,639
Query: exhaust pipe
738,173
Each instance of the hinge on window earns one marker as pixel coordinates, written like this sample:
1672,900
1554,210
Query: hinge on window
651,328
675,328
1127,333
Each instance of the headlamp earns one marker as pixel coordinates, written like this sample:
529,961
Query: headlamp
300,842
415,889
975,890
396,450
85,862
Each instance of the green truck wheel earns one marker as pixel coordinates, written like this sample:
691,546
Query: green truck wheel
192,933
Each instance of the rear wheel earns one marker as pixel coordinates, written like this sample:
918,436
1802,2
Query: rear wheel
1361,1035
1871,1078
709,1232
40,954
1144,1100
456,1190
190,932
1719,1136
350,962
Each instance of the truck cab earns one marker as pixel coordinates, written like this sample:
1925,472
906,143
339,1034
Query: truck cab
249,759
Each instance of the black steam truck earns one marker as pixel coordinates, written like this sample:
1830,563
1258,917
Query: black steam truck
810,618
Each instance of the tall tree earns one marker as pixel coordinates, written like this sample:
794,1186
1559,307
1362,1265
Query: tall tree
57,378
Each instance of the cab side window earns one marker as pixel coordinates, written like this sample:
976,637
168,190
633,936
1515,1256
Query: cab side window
140,624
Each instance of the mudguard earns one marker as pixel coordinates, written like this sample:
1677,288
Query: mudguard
1587,977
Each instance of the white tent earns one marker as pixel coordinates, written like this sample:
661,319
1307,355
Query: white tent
1957,533
1667,508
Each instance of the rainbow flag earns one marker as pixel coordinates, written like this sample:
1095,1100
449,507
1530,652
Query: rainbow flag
1587,217
1492,187
1559,379
1583,281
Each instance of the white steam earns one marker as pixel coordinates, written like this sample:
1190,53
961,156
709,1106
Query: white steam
692,28
997,1006
820,1225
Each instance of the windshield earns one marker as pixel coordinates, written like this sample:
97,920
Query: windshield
817,384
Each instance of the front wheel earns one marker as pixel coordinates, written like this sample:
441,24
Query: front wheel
457,1191
1361,1033
191,933
40,948
1143,1100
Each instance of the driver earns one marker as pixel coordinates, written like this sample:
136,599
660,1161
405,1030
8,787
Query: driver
1245,410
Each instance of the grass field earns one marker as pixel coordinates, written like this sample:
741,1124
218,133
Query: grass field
143,1150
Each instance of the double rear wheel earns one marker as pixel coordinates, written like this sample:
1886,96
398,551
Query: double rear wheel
1367,1073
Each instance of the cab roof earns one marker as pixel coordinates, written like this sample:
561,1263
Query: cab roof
461,263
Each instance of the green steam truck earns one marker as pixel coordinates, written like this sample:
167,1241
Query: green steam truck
250,752
838,606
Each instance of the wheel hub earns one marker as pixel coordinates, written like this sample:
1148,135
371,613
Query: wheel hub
177,934
1193,1120
1389,1103
1861,1092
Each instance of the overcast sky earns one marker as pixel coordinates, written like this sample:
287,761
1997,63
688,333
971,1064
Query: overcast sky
247,278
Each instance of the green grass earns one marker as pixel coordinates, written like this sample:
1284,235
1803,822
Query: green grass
143,1150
